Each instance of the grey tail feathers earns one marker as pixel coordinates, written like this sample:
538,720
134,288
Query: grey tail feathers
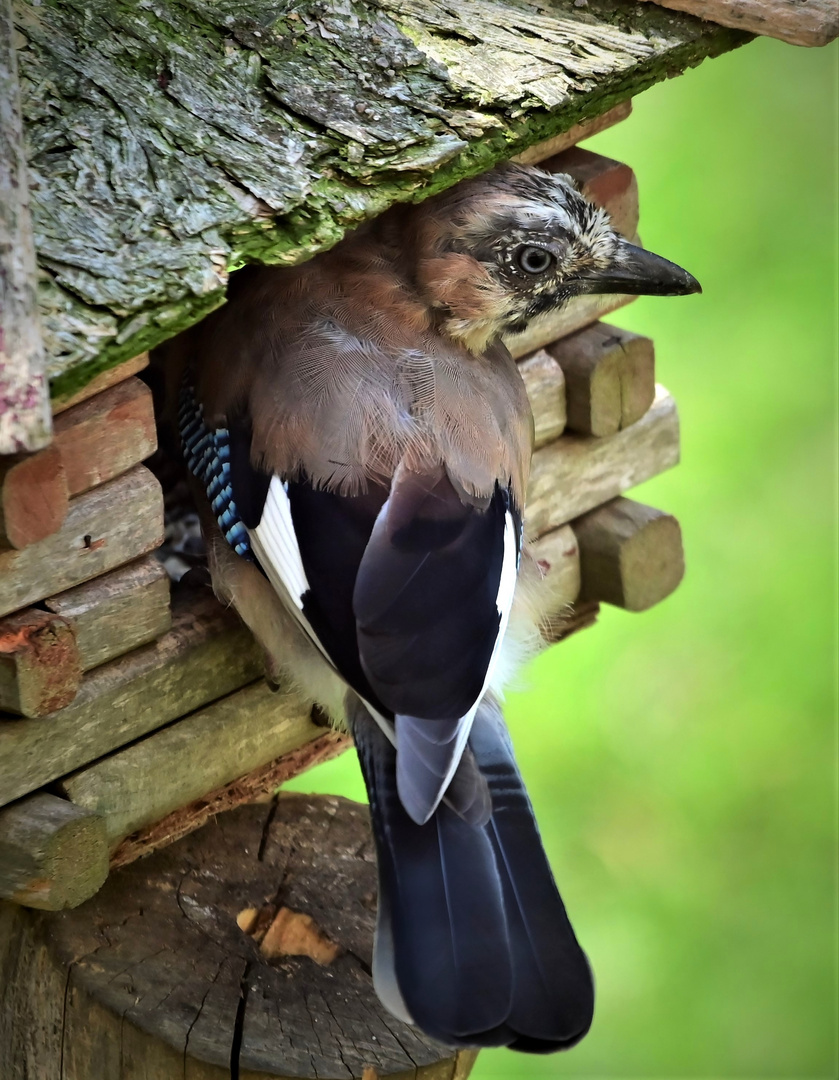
473,942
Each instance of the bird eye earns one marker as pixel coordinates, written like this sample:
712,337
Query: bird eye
534,260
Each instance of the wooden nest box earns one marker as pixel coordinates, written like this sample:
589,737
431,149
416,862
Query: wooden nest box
148,149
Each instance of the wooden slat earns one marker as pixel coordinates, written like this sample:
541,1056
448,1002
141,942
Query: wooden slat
576,473
40,666
798,22
153,777
105,435
101,382
558,555
53,854
24,412
551,147
208,653
609,378
117,612
34,497
43,653
104,528
545,385
630,555
609,184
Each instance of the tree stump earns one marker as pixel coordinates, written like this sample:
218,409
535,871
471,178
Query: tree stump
242,951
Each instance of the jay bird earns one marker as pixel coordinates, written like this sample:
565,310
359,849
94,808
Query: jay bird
363,437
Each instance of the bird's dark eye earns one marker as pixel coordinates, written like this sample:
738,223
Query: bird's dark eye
534,260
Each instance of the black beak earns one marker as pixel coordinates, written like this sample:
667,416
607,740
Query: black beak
638,272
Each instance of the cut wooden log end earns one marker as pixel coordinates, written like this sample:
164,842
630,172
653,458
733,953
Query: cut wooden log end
154,977
53,855
630,555
40,664
545,385
34,498
609,378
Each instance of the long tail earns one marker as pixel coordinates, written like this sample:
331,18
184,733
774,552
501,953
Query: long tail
472,943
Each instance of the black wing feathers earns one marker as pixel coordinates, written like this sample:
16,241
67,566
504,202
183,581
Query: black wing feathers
426,594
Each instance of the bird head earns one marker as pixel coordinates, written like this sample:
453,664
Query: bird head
496,251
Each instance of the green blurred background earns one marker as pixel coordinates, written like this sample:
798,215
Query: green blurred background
683,762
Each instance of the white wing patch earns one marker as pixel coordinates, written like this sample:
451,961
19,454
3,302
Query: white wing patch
275,543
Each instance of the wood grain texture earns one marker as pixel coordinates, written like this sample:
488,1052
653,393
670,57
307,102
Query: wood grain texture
104,528
631,555
276,130
798,22
53,855
24,399
99,383
105,435
545,385
258,786
34,497
208,653
576,473
116,612
609,378
151,778
40,665
578,133
156,981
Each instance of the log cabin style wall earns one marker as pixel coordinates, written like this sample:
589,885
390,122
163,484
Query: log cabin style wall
167,144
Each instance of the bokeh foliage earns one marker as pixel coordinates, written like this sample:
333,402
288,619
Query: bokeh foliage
683,762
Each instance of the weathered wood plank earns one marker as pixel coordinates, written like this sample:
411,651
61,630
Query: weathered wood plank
631,555
576,473
275,131
105,435
550,147
53,854
798,22
98,384
208,653
40,666
153,777
613,186
260,785
24,399
34,497
43,653
116,612
104,528
609,378
545,384
154,979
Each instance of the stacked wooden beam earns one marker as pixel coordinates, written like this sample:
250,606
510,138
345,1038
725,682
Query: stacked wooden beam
111,698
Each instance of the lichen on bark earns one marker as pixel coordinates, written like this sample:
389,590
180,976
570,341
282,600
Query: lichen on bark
171,140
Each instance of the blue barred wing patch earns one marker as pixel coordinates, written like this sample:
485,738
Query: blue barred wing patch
207,453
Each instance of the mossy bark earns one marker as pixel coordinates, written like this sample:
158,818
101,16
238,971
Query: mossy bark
172,140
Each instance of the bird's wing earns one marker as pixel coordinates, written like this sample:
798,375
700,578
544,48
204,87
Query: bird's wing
406,591
432,598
